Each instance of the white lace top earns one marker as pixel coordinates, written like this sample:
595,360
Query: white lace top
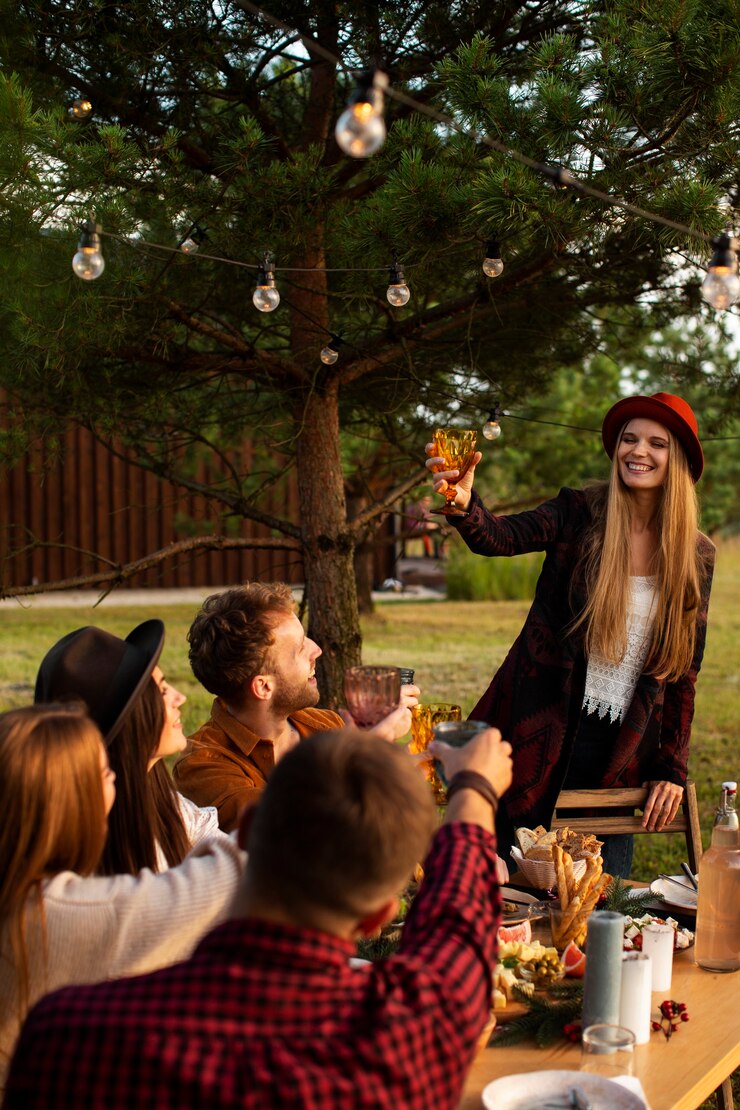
610,686
201,823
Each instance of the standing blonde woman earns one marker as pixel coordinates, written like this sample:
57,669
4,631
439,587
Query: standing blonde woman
60,924
598,689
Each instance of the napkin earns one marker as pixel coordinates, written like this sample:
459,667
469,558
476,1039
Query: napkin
632,1083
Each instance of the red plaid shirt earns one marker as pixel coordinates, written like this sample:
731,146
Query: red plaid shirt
271,1016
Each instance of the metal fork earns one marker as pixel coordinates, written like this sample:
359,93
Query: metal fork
577,1100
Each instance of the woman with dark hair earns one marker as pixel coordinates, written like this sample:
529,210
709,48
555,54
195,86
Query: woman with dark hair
60,923
138,712
598,689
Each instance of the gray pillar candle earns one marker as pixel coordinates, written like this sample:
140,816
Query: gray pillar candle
602,981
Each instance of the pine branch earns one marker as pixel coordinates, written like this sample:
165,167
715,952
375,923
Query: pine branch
546,1015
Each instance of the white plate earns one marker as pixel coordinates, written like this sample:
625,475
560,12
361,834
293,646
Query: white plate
509,894
529,1091
675,895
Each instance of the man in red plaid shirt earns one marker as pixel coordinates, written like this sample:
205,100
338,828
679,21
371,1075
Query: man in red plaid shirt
269,1011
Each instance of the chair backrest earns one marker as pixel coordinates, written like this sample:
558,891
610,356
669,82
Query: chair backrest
631,798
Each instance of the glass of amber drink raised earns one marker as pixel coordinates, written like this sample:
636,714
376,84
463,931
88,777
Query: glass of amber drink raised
456,447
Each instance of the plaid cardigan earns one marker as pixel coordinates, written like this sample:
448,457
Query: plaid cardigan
536,695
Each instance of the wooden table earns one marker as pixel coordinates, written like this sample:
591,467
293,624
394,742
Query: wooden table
677,1074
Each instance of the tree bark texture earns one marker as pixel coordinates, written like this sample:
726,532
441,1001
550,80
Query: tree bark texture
328,549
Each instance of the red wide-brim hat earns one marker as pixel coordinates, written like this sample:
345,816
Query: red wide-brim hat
667,409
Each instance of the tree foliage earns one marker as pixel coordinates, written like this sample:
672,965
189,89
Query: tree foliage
206,115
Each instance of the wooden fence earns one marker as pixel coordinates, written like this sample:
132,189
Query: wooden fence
65,519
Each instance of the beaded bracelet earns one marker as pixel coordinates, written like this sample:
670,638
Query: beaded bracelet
471,780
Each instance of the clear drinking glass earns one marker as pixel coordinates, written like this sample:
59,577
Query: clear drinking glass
371,693
608,1050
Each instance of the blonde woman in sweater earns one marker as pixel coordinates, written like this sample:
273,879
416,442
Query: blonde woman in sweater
60,923
138,713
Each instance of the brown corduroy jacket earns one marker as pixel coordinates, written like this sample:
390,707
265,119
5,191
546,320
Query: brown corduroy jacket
227,765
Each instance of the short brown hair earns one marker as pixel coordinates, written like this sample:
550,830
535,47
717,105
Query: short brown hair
342,822
232,634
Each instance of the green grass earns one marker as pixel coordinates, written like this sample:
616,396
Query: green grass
455,648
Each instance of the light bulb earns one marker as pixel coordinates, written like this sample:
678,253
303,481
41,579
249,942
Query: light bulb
398,292
89,263
189,246
80,108
493,267
328,355
360,130
491,429
398,295
721,286
265,297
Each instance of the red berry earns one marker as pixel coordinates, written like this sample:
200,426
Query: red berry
684,1016
657,1026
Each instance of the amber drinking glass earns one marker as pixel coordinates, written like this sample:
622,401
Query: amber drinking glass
423,720
371,693
457,447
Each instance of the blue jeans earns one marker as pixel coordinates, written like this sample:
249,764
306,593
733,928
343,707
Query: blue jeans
617,854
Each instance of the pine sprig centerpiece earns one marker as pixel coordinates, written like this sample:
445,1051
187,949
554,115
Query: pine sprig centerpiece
546,1017
621,898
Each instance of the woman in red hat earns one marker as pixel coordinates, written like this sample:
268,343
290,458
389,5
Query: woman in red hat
598,689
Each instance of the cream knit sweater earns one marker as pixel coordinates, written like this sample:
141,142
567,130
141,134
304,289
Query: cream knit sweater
103,927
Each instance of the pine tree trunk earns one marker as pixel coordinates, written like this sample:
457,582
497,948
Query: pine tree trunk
328,551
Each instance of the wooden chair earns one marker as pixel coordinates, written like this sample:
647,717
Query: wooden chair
685,821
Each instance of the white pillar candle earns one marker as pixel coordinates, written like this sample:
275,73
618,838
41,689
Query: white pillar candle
657,943
634,997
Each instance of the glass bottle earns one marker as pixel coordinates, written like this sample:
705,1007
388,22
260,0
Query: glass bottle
718,912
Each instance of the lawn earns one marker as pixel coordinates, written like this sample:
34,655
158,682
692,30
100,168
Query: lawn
454,648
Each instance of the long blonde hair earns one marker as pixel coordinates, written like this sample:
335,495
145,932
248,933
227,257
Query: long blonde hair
53,815
677,565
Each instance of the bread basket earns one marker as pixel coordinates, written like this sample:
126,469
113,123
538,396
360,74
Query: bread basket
541,873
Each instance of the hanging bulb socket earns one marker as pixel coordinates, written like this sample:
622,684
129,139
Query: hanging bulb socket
492,428
330,353
493,267
398,292
89,263
265,297
193,240
360,130
721,286
80,108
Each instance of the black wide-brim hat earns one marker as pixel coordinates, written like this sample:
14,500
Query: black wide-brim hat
667,409
102,670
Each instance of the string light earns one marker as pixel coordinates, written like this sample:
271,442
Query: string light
493,267
492,428
721,286
360,129
330,353
266,297
80,108
398,292
193,240
89,263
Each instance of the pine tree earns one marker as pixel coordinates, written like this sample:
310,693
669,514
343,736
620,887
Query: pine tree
206,117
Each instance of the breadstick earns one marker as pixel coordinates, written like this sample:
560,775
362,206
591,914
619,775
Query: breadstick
557,858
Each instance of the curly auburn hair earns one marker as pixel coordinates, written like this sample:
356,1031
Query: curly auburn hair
232,634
